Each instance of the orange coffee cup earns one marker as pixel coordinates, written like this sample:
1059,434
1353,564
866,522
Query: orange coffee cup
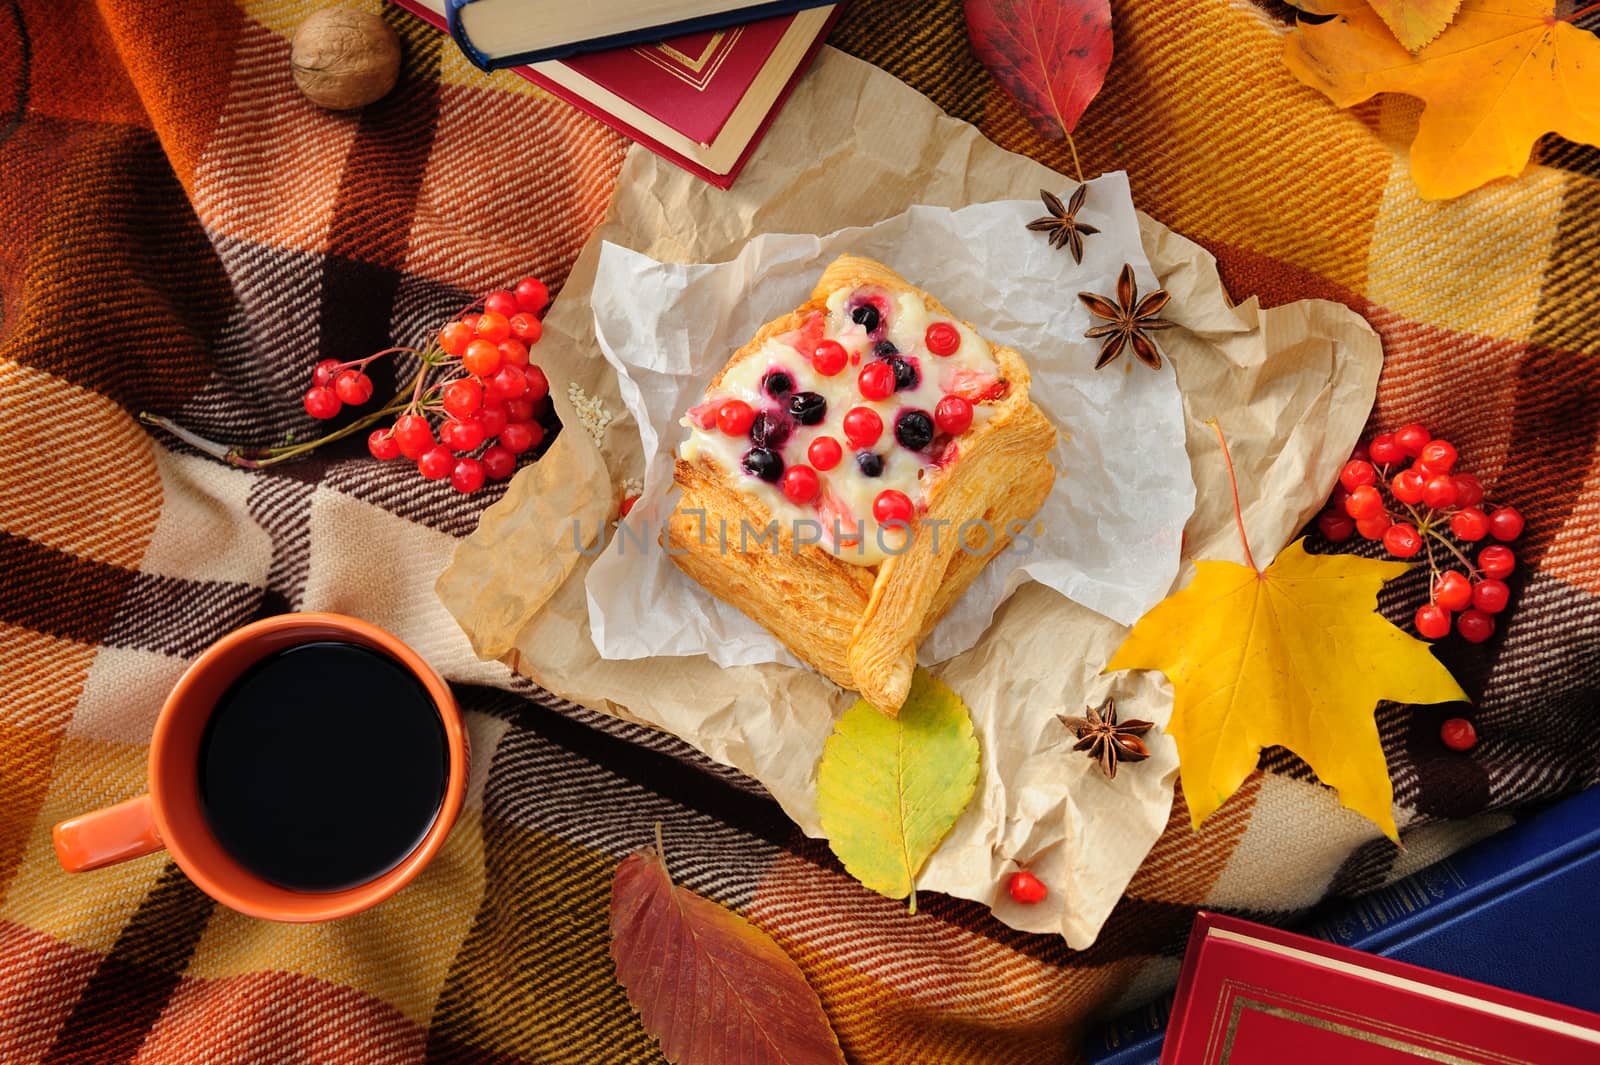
170,816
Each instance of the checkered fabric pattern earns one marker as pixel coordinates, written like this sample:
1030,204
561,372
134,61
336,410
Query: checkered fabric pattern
181,232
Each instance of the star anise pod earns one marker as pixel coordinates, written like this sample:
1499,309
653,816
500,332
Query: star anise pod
1129,318
1105,739
1062,222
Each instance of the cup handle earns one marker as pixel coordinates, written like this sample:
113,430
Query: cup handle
105,837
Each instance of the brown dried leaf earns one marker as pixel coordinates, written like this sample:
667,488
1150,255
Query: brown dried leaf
710,986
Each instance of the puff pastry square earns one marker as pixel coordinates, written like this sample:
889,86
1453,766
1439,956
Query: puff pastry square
848,594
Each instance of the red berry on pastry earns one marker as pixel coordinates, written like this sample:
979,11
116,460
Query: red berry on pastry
735,416
824,453
953,415
862,426
892,506
1026,888
876,380
800,484
942,338
829,358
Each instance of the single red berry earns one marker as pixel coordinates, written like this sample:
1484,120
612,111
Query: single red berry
1356,473
510,382
1337,497
1336,525
538,384
862,427
493,327
1026,888
829,357
503,303
735,417
1364,502
413,434
1374,527
1412,438
1452,590
513,352
436,463
470,320
526,327
952,415
627,506
532,296
1439,491
465,434
493,419
519,409
942,338
1505,523
454,338
498,462
892,506
325,371
1497,561
1458,734
1469,490
520,436
1384,451
382,444
1433,622
1469,523
824,453
1438,455
800,484
1361,452
1407,486
467,475
322,401
353,387
876,380
1475,626
1402,540
482,358
1491,595
463,398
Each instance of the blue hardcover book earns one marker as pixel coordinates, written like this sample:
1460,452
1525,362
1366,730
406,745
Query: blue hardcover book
1518,910
508,33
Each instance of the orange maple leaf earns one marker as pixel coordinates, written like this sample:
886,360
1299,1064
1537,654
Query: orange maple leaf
1503,74
1414,22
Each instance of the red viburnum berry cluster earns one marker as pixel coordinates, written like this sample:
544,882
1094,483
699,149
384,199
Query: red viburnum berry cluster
488,399
1404,489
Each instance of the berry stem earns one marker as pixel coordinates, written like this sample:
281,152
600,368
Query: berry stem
1453,549
1233,483
1582,11
260,458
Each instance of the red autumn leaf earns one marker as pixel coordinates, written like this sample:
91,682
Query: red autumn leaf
710,986
1050,55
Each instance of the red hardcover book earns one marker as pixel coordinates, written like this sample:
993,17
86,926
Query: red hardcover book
702,100
1253,995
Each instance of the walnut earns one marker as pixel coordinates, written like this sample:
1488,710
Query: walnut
344,59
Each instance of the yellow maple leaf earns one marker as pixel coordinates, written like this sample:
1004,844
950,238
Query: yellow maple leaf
1505,73
1413,22
1295,655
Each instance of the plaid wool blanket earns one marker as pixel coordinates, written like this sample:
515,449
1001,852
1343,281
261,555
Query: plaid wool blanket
181,232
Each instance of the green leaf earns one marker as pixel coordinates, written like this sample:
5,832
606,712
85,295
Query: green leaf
889,788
